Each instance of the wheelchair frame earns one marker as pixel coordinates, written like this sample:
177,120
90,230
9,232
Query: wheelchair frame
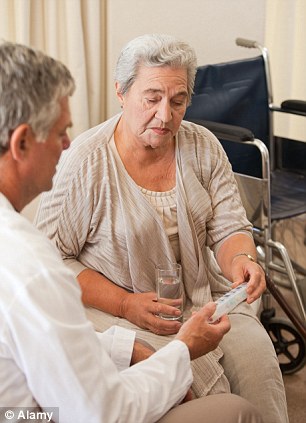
261,214
255,190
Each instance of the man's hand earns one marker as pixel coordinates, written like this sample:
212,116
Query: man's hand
199,335
143,309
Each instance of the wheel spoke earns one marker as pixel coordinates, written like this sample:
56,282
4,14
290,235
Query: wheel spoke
288,354
293,342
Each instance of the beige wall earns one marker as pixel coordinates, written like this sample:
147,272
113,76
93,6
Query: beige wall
285,40
210,26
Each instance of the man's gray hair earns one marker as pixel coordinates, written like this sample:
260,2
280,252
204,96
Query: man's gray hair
31,86
155,50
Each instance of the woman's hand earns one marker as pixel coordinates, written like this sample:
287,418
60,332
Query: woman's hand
245,270
235,263
143,310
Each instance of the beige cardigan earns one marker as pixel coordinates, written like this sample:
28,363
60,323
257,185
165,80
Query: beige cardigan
98,218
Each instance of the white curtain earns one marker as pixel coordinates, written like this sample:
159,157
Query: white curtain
285,40
72,31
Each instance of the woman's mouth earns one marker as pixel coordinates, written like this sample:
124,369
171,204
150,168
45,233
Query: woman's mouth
161,131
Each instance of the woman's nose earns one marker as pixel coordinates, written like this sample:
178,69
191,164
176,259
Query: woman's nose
164,112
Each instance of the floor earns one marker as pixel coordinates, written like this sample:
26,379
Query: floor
295,383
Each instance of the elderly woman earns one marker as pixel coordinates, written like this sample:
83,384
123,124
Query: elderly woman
146,187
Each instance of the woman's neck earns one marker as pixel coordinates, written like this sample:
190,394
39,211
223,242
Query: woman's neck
153,169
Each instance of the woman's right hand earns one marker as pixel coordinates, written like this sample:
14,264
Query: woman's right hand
142,309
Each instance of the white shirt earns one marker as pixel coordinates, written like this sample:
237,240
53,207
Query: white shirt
49,352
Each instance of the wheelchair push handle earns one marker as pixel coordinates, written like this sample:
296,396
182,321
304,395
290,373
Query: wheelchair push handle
243,42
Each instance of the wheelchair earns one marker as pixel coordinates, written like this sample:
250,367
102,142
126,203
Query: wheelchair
234,100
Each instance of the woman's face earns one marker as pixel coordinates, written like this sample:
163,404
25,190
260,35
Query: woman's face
154,106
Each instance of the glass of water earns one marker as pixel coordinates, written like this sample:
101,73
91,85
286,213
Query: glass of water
169,288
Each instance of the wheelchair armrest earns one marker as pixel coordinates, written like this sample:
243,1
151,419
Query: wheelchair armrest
225,131
295,107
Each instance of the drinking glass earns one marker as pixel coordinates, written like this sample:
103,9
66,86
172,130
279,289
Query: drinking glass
169,288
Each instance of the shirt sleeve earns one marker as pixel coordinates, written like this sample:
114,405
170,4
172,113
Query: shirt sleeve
75,266
119,343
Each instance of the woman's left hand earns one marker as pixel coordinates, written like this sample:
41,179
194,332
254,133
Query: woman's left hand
245,270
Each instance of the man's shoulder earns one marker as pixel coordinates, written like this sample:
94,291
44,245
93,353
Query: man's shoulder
24,248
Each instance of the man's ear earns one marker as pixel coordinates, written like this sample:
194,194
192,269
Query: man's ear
118,93
20,142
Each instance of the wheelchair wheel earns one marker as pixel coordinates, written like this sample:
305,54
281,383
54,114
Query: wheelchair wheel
288,343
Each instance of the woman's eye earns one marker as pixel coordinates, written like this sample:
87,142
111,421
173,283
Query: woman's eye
179,102
152,100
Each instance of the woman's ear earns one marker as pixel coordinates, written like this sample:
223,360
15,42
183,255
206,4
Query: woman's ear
20,142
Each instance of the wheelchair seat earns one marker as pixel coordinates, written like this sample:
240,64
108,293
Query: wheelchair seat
288,194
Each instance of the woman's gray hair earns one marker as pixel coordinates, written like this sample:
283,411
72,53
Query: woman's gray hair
155,50
31,86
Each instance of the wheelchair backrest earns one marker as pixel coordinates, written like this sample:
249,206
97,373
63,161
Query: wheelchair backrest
234,93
